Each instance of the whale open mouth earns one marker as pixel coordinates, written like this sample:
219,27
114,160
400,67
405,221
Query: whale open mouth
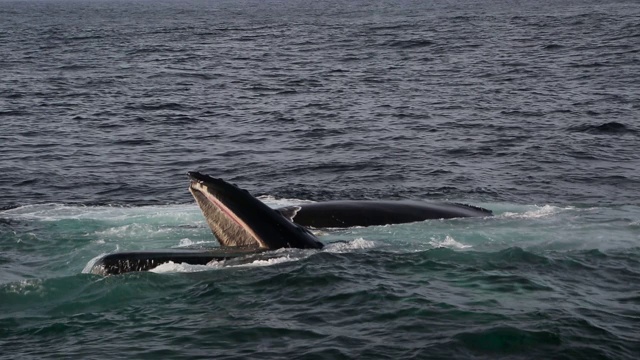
216,200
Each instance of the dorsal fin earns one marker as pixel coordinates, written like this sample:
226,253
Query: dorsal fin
289,212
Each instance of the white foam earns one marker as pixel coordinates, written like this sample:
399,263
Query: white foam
55,211
280,202
24,287
269,262
132,230
171,267
448,242
188,242
286,255
356,244
536,212
89,266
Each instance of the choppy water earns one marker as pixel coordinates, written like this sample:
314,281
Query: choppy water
529,109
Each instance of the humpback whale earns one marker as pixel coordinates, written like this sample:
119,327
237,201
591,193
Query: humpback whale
243,225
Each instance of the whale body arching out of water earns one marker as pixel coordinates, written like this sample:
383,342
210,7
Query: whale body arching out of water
349,213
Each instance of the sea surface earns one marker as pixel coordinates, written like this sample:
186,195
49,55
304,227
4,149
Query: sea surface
528,108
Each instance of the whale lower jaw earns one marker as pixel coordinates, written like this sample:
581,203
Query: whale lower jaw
123,262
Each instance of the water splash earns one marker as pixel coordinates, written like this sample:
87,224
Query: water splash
536,212
349,246
448,242
275,257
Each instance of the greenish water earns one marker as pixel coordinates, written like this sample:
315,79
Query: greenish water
532,280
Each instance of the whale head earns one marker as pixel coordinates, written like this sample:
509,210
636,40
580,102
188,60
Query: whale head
238,219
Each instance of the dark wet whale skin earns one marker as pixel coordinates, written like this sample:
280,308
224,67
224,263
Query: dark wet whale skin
348,213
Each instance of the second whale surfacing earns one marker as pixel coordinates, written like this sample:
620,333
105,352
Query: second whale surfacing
349,213
244,225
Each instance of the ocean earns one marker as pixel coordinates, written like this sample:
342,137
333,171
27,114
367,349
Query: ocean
528,108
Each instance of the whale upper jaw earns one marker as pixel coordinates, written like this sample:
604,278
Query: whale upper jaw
226,224
237,219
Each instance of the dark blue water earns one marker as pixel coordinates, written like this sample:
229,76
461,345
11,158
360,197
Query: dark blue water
529,108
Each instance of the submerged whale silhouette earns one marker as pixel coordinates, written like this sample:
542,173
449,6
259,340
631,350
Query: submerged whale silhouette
243,224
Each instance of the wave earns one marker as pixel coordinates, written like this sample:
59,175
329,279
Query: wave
536,212
171,267
608,128
448,242
507,339
59,211
410,44
80,232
